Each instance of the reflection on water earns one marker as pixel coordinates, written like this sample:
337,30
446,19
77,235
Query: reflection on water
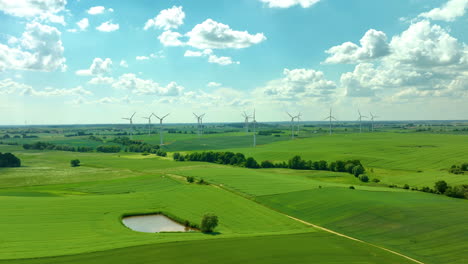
154,224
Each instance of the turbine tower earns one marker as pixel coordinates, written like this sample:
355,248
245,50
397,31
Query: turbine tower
372,120
292,124
330,117
131,124
246,122
149,124
199,122
161,119
360,120
254,130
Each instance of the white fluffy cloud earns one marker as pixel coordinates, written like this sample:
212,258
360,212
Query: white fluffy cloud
448,12
140,86
39,48
212,58
170,39
42,9
123,63
373,45
298,84
167,19
142,58
83,24
108,27
98,67
289,3
213,35
96,10
8,86
426,45
101,80
213,84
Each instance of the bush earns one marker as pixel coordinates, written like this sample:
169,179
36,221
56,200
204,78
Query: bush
75,163
351,187
375,180
108,148
406,187
364,178
202,181
460,191
251,163
267,164
441,186
358,170
176,156
209,223
190,179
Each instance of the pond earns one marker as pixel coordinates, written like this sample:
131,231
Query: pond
154,224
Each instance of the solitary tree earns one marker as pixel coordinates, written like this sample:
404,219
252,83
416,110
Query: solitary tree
358,170
75,163
209,222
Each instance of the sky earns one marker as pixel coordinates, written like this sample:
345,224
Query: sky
97,61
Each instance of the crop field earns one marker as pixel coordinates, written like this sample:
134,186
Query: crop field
55,213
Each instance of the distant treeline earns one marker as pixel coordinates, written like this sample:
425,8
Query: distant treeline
9,160
50,146
441,187
296,163
138,146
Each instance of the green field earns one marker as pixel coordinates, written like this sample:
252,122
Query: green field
53,213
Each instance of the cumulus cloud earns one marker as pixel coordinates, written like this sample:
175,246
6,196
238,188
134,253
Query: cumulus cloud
98,67
108,27
83,24
96,10
298,84
213,35
212,58
101,80
448,12
140,86
42,9
142,58
167,19
47,92
213,84
373,45
289,3
39,48
170,39
426,45
123,63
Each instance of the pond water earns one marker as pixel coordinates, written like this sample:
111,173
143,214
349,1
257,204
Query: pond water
154,224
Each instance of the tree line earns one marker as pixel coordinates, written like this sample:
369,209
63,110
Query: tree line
296,163
50,146
9,160
459,169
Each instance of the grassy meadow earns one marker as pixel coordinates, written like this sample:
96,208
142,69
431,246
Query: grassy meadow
55,213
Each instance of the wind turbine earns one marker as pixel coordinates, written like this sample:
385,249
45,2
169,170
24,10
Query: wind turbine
292,124
298,120
246,122
199,122
330,117
149,124
360,120
161,119
372,120
254,130
131,124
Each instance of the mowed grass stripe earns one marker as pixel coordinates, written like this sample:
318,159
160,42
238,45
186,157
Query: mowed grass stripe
318,247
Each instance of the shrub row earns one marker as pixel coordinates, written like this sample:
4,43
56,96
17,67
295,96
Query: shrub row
459,169
50,146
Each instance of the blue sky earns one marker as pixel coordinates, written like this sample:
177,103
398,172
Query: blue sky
93,61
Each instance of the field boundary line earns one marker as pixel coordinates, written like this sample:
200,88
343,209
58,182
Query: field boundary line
351,238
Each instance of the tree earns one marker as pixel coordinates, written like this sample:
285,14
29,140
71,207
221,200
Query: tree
364,178
251,163
441,186
297,163
358,170
176,155
267,164
75,163
209,223
9,160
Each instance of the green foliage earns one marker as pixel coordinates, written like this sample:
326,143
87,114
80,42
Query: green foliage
209,223
9,160
375,180
364,178
358,170
459,191
266,164
351,187
108,148
176,156
441,186
297,163
406,187
190,179
75,162
251,163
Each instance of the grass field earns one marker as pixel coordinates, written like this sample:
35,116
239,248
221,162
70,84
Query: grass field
58,214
